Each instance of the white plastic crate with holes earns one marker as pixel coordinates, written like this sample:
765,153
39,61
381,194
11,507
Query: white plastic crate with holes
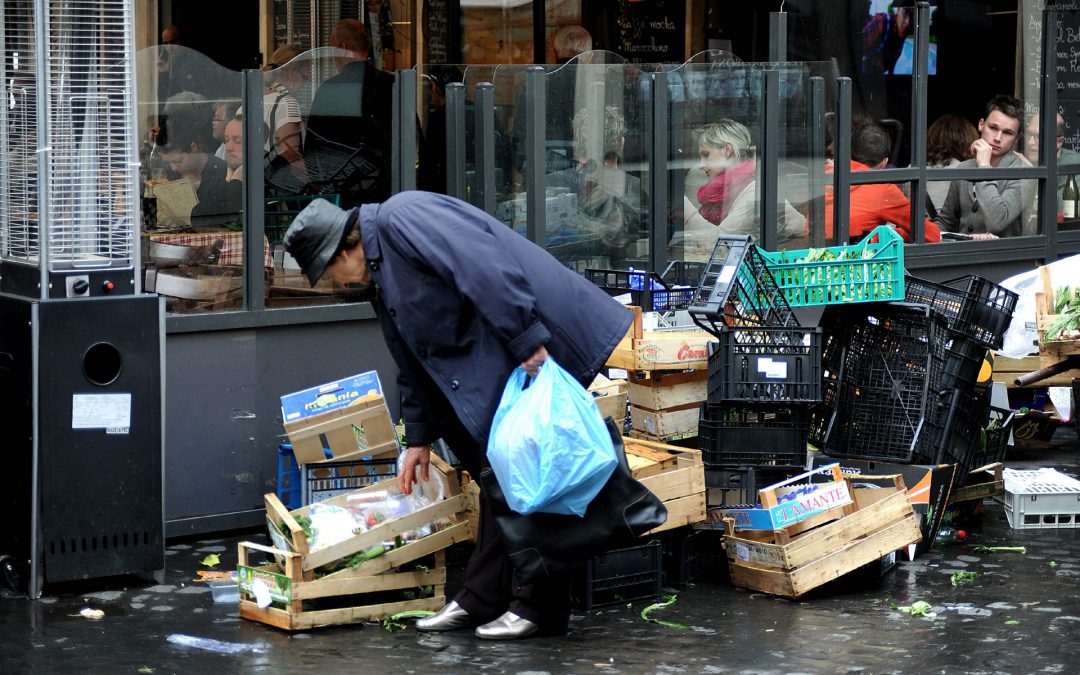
1041,498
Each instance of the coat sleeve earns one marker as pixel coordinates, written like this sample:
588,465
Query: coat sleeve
946,217
1002,205
443,236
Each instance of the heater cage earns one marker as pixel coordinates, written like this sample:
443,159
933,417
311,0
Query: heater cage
68,162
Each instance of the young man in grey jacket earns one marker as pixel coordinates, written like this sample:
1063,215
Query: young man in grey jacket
999,207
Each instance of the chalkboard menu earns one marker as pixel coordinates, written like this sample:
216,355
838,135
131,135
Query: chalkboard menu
1066,37
442,28
298,13
649,31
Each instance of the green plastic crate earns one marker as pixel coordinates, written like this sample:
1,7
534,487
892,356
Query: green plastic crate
870,271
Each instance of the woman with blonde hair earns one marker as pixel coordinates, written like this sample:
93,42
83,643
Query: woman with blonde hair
728,200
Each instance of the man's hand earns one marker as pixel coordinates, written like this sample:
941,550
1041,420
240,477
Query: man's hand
533,363
415,455
981,150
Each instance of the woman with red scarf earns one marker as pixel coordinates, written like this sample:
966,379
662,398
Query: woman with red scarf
728,201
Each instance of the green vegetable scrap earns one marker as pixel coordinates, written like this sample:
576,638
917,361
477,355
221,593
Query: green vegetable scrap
917,608
365,555
1000,549
963,576
668,601
1053,563
1012,622
393,622
1067,309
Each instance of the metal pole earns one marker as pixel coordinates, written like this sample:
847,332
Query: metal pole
485,146
817,162
777,37
535,140
405,129
842,162
539,8
254,205
455,140
1047,211
770,169
919,84
44,150
659,130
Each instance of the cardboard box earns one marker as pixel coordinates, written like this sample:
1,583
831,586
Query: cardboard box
928,489
1035,425
348,416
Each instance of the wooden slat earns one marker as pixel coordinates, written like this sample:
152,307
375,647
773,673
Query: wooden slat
665,423
420,548
384,532
689,510
857,554
351,615
861,523
675,484
323,588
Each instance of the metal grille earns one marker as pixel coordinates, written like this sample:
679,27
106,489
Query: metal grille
85,132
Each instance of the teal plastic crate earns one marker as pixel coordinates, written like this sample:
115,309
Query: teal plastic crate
870,271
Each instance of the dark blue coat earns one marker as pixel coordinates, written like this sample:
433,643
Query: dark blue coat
463,299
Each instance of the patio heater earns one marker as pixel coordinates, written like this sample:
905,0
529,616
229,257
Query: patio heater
81,347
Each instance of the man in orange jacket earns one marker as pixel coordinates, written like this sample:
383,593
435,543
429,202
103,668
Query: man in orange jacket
876,203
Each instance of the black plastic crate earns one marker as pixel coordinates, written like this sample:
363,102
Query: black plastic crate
766,364
690,554
753,434
647,290
963,359
888,361
329,479
620,576
961,437
728,486
972,306
737,289
994,441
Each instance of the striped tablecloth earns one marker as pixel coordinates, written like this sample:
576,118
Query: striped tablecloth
232,248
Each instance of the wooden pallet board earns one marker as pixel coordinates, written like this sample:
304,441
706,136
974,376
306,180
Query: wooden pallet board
675,475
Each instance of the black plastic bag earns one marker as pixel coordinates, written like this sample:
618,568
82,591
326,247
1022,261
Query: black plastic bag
545,544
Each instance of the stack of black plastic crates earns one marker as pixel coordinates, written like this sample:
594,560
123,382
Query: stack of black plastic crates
901,379
764,373
671,291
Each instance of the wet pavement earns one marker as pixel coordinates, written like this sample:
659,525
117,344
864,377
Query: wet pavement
1019,615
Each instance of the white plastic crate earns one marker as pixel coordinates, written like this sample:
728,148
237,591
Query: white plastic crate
1041,499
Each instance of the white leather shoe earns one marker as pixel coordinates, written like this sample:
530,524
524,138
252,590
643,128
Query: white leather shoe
509,626
451,617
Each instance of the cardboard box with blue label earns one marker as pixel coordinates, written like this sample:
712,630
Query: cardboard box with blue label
348,416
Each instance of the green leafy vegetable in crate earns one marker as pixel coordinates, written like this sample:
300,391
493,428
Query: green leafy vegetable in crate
1067,308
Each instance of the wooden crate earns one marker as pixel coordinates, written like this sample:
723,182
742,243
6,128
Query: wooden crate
361,429
662,349
1006,370
1044,306
292,590
986,481
610,398
675,475
881,522
297,565
662,390
666,425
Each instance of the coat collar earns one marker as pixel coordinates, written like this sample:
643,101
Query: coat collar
369,225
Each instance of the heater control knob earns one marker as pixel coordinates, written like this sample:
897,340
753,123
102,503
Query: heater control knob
80,287
107,286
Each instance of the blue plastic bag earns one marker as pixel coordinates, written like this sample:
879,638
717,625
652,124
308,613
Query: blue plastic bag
549,447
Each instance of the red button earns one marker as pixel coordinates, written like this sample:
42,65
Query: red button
107,286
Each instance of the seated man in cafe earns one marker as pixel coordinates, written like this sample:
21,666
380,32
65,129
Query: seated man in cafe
188,151
875,203
997,206
1065,156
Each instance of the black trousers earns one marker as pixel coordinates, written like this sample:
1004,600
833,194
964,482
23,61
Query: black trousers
490,586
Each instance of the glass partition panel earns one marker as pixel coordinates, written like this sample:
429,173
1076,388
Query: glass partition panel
328,119
192,220
431,112
595,170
